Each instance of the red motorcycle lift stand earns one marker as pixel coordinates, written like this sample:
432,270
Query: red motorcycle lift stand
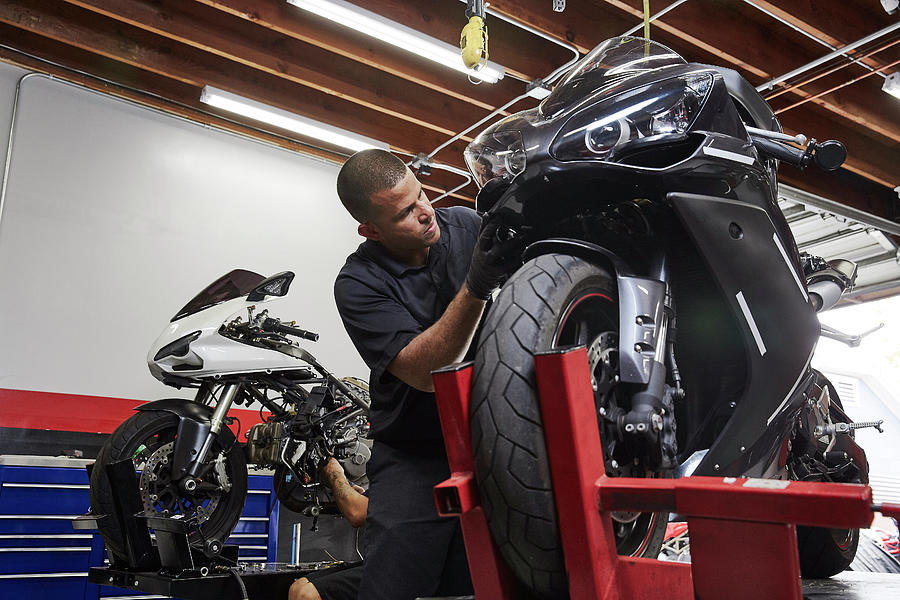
762,514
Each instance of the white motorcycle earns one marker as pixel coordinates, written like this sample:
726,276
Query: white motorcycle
187,458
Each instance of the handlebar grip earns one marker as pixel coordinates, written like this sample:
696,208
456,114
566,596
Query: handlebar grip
274,325
789,154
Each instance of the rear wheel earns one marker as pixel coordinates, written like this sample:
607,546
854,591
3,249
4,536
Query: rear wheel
148,438
552,301
823,551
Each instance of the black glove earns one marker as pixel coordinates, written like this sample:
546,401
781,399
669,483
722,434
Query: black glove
492,260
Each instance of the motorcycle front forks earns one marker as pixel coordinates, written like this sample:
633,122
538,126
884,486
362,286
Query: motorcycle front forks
226,398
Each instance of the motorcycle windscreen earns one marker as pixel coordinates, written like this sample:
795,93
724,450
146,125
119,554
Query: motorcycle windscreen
232,285
606,65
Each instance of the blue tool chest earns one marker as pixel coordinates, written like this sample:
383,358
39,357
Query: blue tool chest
42,557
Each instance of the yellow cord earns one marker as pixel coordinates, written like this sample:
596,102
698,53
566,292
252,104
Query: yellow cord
647,26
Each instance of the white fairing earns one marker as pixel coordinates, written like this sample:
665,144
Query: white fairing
213,353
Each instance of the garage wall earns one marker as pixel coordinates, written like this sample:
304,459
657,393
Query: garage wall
116,215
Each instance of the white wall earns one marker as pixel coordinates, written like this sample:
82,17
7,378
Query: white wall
116,215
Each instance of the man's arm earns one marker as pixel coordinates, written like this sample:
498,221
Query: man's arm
444,343
352,504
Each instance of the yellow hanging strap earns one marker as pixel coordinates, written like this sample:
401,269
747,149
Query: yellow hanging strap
646,26
473,42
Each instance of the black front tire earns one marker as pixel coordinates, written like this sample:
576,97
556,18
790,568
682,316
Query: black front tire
552,301
826,552
139,437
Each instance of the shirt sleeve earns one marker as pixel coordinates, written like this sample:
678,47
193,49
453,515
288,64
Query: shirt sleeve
379,325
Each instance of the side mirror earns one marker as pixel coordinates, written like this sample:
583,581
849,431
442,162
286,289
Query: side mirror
276,285
830,155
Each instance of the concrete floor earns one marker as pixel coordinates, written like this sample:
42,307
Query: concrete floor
853,585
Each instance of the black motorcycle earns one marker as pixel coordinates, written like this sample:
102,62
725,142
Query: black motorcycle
645,187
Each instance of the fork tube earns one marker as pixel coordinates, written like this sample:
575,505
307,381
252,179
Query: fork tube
229,392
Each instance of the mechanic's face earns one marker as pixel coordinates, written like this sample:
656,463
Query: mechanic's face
403,221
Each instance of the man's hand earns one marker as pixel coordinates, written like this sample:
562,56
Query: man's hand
492,260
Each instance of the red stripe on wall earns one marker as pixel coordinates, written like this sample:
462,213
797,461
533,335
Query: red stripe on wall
27,409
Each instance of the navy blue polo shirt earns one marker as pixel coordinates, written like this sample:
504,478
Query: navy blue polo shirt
385,304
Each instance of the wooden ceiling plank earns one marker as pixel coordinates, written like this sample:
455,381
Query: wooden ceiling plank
884,129
722,38
134,85
303,65
581,24
181,63
861,194
522,53
292,22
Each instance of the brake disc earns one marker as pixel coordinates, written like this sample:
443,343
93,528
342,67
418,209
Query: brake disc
160,494
603,360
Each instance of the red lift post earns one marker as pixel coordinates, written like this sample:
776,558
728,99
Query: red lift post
759,514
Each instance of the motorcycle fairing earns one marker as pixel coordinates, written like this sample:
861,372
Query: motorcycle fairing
747,259
640,320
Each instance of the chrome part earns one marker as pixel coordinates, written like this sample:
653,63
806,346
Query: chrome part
798,139
221,474
851,340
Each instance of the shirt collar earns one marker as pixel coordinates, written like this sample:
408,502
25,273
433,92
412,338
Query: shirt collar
376,252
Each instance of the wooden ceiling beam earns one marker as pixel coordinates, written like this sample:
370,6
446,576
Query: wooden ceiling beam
523,54
295,61
173,60
581,24
777,58
841,23
43,55
289,21
844,188
879,121
865,156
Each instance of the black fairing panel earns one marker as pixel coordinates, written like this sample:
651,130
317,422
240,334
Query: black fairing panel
746,257
749,99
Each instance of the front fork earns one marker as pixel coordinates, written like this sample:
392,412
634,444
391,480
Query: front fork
196,466
645,312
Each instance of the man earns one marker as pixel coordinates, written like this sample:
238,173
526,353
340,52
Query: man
411,297
330,584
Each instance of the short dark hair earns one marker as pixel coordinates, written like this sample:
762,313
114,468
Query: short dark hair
365,173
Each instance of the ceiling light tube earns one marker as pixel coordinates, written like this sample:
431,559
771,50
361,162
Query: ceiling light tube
287,120
404,37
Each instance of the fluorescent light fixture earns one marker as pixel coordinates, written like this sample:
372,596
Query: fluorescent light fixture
892,84
404,37
287,120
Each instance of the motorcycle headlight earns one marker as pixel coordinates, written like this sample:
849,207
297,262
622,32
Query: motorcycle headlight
656,112
497,154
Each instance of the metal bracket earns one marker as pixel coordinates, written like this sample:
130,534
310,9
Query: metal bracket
851,340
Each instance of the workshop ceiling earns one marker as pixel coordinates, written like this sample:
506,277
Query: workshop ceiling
163,52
